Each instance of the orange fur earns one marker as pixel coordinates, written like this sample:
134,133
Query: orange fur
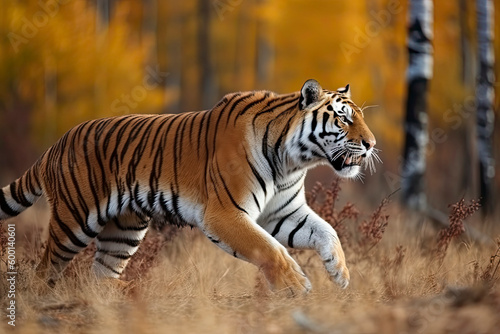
173,167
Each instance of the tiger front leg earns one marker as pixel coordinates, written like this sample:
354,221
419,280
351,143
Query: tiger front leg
236,233
302,228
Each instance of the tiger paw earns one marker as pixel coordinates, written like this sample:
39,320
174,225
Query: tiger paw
286,276
292,284
340,275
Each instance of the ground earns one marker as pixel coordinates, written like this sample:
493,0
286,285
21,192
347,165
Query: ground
402,281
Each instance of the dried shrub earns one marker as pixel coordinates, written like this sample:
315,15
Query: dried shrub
489,274
146,256
389,268
459,212
398,258
322,201
372,230
3,240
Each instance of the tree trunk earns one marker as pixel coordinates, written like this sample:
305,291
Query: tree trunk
175,101
103,16
103,8
466,130
150,27
208,90
418,74
264,49
485,95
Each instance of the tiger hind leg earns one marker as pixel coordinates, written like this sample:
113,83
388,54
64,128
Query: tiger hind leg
115,245
66,239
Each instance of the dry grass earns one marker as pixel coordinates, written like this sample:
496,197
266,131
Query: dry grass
184,284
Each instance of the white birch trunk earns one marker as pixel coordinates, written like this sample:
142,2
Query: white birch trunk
485,96
420,34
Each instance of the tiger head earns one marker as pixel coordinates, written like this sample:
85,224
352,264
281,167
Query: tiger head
333,131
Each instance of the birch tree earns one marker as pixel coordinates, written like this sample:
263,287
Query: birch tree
484,101
208,89
419,72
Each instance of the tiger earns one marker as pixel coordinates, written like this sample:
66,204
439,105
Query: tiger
236,172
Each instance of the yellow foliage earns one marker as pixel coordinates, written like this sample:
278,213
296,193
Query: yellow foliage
67,71
71,70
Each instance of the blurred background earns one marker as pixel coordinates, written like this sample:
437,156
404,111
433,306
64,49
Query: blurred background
66,61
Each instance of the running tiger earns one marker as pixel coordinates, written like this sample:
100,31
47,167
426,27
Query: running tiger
236,172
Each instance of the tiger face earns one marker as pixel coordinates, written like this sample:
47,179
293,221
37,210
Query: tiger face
338,134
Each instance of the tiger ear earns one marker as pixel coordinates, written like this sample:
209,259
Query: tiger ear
345,90
310,93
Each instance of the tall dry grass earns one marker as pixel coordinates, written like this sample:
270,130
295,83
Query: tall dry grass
402,281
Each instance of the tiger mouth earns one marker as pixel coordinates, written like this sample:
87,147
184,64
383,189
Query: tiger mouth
346,160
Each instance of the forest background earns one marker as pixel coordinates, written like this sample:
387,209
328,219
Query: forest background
63,62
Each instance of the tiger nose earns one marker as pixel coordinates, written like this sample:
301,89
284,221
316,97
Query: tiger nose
368,144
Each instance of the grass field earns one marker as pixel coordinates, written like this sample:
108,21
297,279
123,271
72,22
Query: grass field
406,277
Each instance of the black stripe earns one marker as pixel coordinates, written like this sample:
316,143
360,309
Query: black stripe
272,108
233,106
340,138
295,230
101,261
133,134
177,154
314,121
257,175
69,232
175,205
120,256
200,129
283,187
154,178
288,201
265,153
250,105
282,220
59,243
129,242
99,131
140,203
110,131
215,241
130,228
114,254
114,157
312,139
221,112
215,187
18,196
191,126
326,116
207,131
159,129
5,207
283,135
256,201
329,260
229,193
140,149
64,258
163,203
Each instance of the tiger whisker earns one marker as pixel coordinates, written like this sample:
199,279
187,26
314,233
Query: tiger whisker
363,107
